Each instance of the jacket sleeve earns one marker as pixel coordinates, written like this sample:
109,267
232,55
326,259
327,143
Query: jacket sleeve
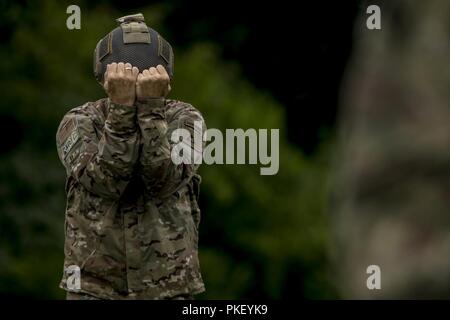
102,162
161,175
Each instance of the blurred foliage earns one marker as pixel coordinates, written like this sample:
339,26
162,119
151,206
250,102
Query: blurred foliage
261,236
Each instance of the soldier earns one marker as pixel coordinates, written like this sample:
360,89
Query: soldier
132,216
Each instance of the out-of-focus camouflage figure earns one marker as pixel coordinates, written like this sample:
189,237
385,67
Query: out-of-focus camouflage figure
132,215
391,203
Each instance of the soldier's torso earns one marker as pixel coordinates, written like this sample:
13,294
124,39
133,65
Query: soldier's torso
137,246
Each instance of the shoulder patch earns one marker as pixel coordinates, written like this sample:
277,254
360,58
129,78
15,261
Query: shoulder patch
67,136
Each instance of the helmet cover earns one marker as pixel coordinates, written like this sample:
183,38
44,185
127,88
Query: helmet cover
135,43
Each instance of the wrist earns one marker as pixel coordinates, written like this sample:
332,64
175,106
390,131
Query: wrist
129,102
121,117
151,102
119,109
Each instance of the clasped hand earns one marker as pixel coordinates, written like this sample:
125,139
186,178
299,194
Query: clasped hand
124,84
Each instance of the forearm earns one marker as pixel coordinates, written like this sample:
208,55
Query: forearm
153,128
101,162
118,147
159,173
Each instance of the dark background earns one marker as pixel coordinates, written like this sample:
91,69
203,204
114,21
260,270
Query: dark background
243,64
296,50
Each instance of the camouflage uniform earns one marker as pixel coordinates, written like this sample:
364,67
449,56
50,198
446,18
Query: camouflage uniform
391,204
132,215
83,296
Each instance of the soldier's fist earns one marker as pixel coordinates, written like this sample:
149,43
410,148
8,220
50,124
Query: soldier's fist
120,83
153,83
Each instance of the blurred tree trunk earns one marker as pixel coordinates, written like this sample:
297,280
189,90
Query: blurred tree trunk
391,198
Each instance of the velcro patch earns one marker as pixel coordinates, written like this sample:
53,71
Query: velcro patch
69,143
68,136
164,50
66,130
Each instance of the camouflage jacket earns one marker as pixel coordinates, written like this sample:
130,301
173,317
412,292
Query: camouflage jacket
132,215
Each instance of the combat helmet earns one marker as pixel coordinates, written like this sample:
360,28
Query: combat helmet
133,42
